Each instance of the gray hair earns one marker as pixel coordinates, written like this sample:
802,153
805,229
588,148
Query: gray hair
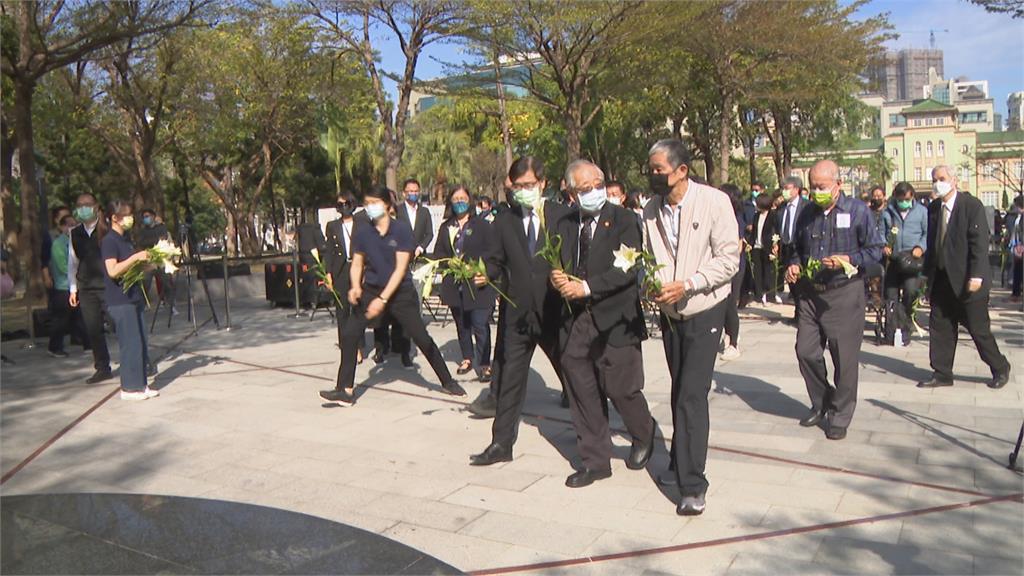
675,152
570,171
794,180
945,167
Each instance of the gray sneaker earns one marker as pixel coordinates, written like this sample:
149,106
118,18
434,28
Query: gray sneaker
692,505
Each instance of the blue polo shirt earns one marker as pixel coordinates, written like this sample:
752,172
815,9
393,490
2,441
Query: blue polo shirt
118,247
379,252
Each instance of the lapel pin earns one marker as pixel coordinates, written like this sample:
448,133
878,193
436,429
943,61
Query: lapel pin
607,224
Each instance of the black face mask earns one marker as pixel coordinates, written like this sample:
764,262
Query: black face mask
876,203
659,184
344,209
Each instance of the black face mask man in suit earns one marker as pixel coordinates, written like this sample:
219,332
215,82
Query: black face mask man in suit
602,327
959,279
533,321
338,255
389,336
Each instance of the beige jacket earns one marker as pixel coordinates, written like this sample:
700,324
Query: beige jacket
708,250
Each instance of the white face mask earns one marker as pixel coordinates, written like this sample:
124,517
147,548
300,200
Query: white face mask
527,197
617,200
375,211
942,188
594,200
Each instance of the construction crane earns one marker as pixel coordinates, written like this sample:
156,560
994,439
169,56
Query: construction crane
931,34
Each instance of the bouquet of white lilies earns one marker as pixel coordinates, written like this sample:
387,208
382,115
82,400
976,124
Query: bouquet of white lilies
630,259
163,254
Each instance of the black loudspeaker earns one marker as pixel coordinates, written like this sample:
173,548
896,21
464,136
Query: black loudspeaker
280,287
310,236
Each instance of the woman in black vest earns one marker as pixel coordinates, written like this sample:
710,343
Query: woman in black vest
126,306
381,284
470,237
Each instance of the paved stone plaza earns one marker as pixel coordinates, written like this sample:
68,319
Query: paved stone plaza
920,485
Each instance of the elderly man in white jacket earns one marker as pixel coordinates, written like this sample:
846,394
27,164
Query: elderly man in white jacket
691,230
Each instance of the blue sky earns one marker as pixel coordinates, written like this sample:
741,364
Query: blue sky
979,45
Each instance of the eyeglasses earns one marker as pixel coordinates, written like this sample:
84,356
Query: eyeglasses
588,189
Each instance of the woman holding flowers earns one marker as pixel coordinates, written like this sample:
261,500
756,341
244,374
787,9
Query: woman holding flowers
125,301
381,283
468,237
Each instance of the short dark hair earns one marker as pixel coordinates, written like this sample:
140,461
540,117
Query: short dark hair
877,187
764,202
65,219
902,188
148,211
346,196
611,183
675,152
484,198
410,181
757,183
526,164
381,193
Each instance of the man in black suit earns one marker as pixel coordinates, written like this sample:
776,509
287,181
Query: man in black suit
602,327
533,321
338,255
959,280
418,219
786,217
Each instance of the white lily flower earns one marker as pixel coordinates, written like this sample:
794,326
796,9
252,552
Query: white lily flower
894,230
169,267
315,253
849,269
625,257
776,238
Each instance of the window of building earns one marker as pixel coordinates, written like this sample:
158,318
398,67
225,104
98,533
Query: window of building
989,198
895,152
965,174
896,174
897,120
1020,170
917,174
917,121
942,148
929,151
989,169
929,121
973,117
917,149
940,121
964,149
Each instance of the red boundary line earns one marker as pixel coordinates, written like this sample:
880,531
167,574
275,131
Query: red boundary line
823,467
744,538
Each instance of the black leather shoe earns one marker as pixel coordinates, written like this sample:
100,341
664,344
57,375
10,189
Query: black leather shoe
641,452
1000,380
668,479
586,477
565,399
452,387
813,418
465,369
486,406
407,361
337,396
378,357
99,376
486,375
692,505
835,433
491,455
934,383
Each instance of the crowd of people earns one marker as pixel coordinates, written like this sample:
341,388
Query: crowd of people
554,269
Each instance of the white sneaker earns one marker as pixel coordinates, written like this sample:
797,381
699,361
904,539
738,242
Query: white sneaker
778,299
151,393
731,353
138,395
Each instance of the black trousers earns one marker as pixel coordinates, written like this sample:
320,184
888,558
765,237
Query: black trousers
691,348
1018,276
595,373
404,308
389,336
732,315
342,314
763,273
947,314
833,319
511,371
902,288
64,320
92,304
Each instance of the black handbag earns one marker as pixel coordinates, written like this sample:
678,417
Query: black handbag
905,263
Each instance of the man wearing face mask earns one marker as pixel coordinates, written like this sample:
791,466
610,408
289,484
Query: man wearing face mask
836,230
691,230
959,279
602,328
519,234
86,280
786,218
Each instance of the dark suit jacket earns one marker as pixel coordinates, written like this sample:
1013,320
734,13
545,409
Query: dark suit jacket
525,275
614,295
337,263
766,232
966,246
780,214
478,243
422,229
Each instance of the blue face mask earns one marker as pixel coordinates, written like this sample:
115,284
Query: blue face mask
147,220
593,201
85,213
460,208
376,211
412,198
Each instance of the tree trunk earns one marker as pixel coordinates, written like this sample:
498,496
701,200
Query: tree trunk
752,159
29,244
724,141
7,207
392,161
573,133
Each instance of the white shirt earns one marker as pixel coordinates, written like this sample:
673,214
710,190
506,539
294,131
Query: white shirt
761,220
670,222
410,210
789,218
346,228
73,258
528,220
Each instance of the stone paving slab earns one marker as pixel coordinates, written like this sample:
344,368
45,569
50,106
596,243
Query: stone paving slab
238,420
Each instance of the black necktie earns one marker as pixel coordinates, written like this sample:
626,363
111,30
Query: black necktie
585,238
786,239
531,236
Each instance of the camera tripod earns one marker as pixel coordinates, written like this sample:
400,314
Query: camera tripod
189,259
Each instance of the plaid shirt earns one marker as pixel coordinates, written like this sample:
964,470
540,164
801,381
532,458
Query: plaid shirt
849,229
